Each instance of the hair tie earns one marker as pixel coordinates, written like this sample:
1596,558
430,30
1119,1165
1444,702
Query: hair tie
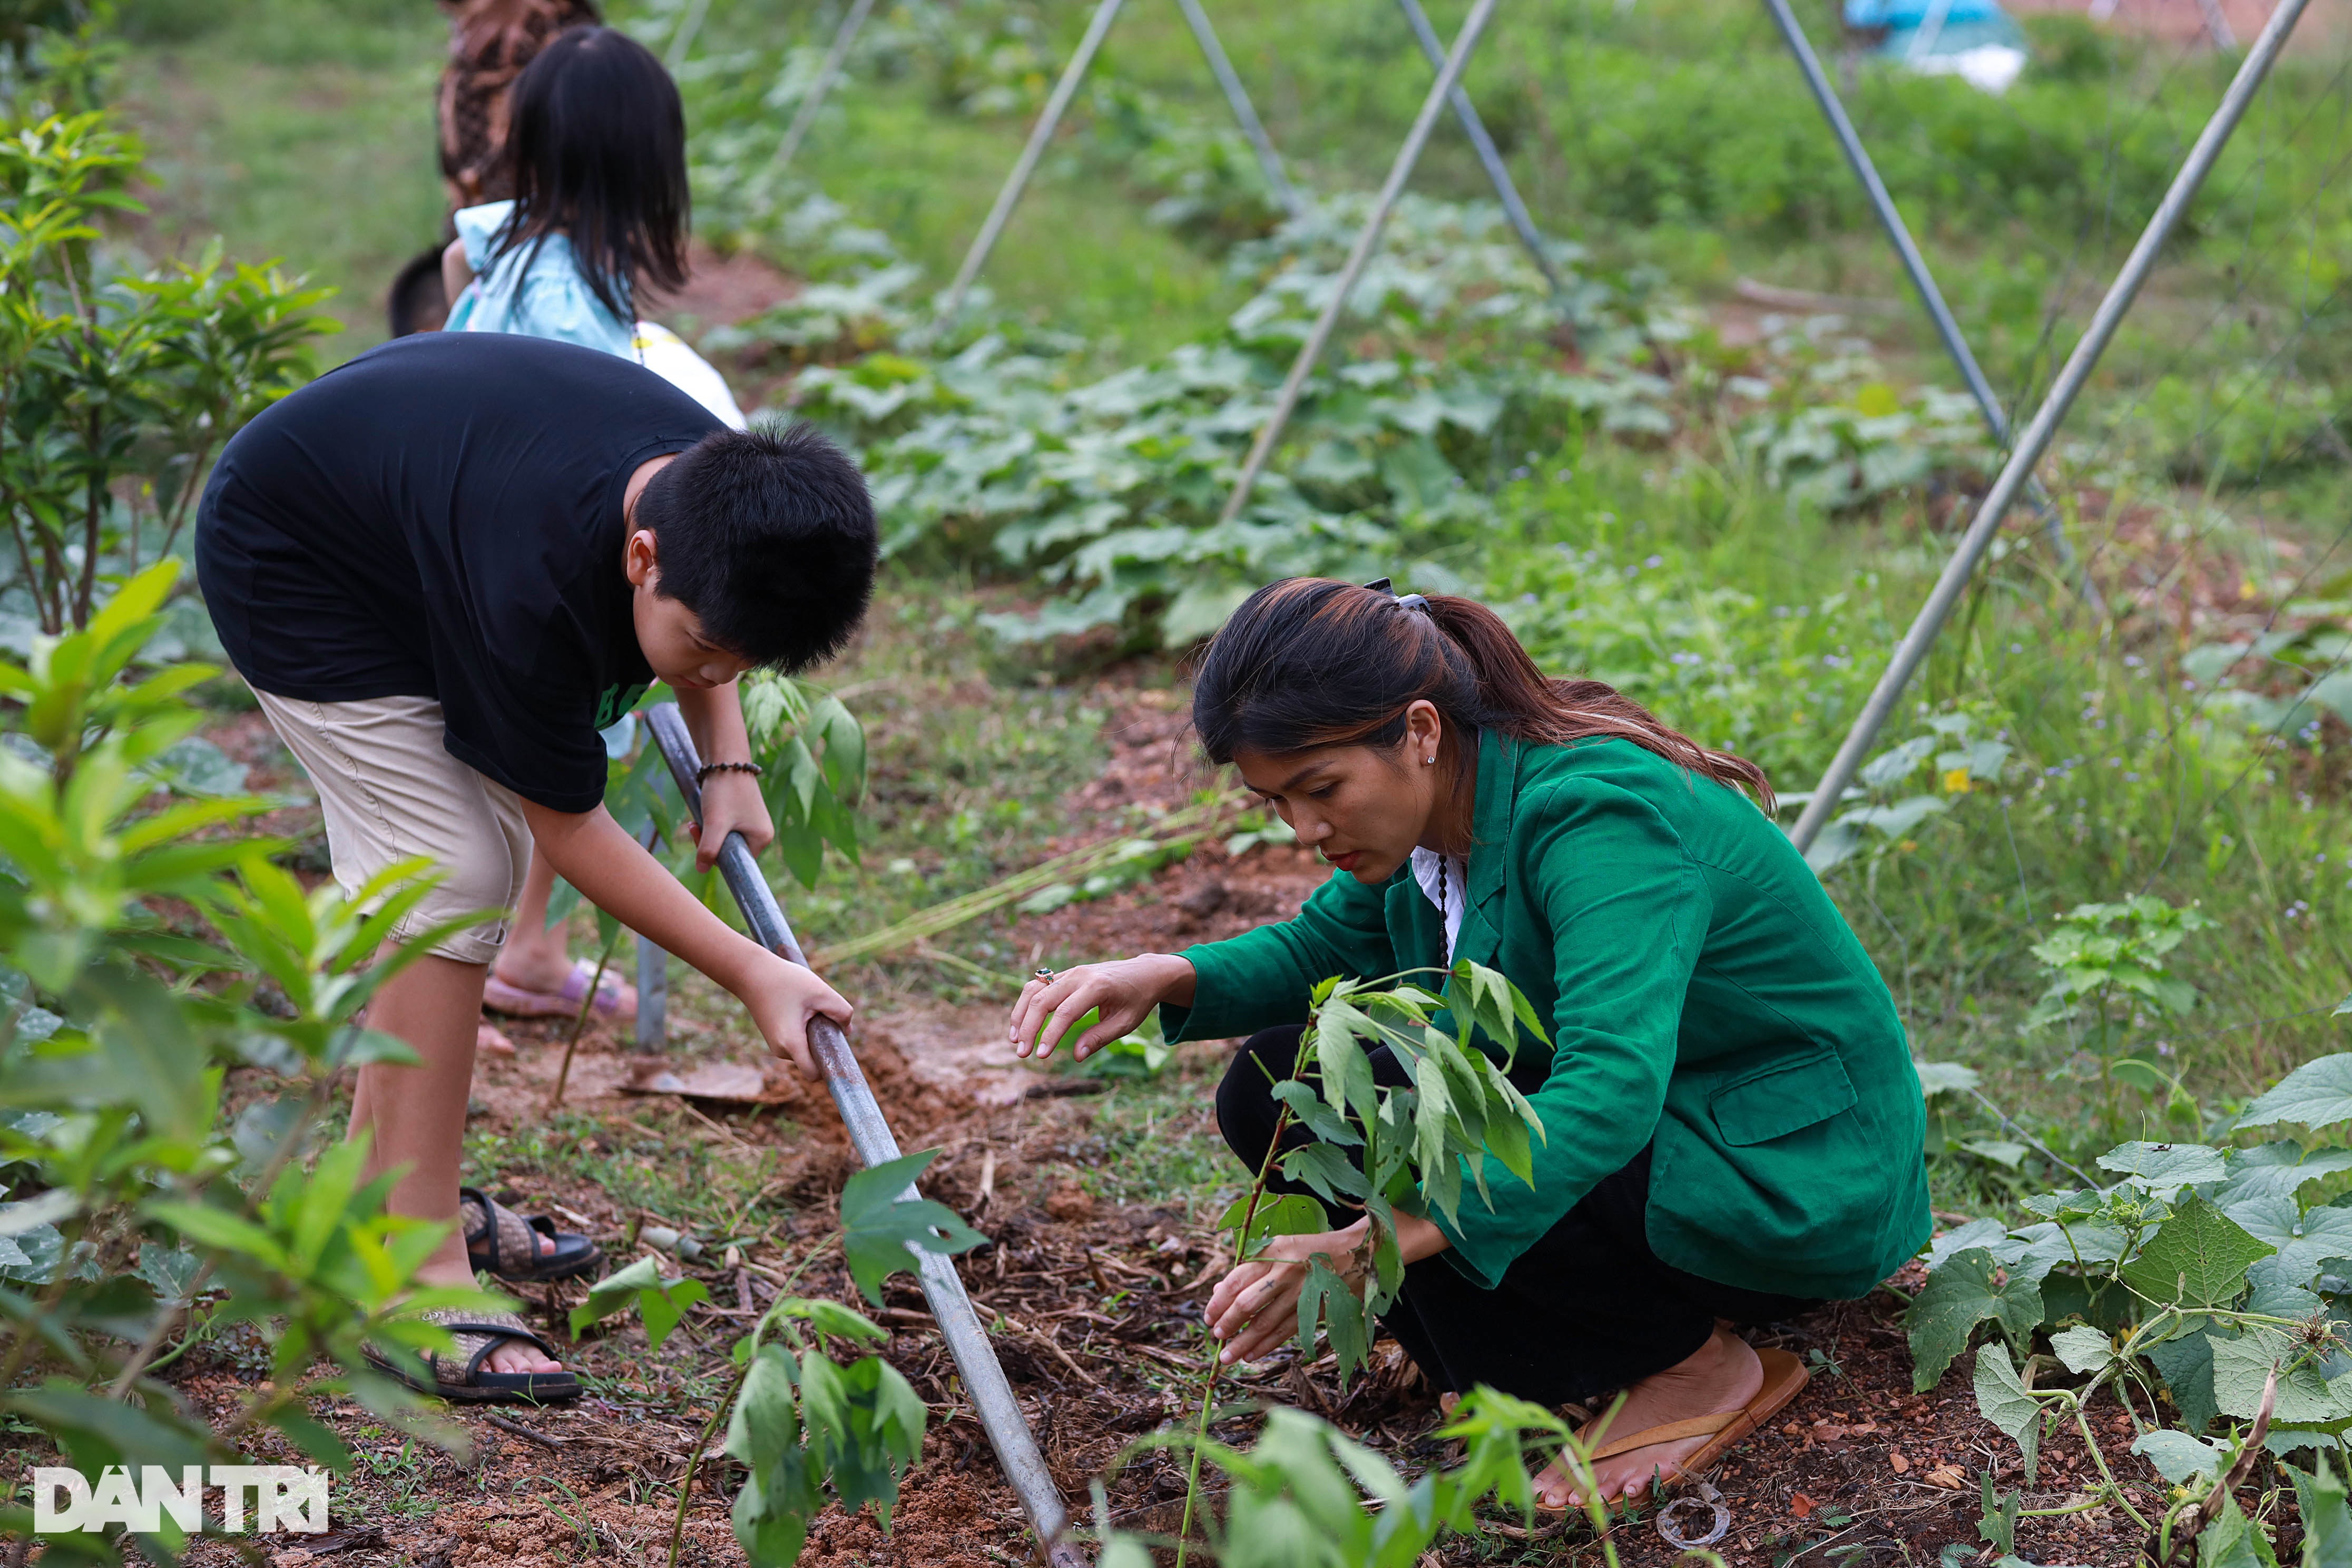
1404,601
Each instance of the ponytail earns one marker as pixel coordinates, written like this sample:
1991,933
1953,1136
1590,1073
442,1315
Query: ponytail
1309,662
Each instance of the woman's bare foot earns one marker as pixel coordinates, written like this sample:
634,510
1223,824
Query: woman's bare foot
1721,1376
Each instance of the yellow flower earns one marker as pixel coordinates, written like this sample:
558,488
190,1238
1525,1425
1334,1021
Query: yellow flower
1956,781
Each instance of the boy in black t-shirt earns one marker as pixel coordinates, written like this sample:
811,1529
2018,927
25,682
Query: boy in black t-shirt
442,567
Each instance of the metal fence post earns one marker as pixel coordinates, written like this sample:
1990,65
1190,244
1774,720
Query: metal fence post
1912,649
652,996
1489,156
827,74
1367,240
1899,234
1238,98
1018,181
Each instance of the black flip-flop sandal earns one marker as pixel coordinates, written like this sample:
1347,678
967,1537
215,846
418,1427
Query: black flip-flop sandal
503,1239
478,1334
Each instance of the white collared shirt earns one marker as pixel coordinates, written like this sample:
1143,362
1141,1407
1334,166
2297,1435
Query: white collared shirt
1457,890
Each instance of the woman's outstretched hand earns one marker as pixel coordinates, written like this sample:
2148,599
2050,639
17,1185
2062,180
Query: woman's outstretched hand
1126,992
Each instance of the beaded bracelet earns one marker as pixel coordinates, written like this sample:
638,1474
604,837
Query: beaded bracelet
702,773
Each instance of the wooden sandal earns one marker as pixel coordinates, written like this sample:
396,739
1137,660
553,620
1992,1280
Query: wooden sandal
464,1381
1784,1378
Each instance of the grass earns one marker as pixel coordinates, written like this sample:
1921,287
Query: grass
298,129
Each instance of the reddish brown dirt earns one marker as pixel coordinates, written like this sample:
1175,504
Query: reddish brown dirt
722,289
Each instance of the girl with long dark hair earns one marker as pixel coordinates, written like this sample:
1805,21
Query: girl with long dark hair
595,150
1732,1122
595,155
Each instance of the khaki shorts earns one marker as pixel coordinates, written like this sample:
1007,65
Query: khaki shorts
390,792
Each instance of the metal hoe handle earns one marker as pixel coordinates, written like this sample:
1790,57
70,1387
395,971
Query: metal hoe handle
870,1134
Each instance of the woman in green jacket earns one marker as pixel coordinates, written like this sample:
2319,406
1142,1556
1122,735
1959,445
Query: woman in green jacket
1732,1124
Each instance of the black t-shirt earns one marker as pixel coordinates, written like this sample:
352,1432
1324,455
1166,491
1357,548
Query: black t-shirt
441,517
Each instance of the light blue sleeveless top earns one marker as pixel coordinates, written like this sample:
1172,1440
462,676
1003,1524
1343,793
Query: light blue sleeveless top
534,288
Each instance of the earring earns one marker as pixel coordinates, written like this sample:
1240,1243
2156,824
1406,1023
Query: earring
1429,761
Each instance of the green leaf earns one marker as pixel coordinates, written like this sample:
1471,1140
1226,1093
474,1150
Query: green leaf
664,1306
2319,1094
2166,1168
1997,1523
2304,1241
1278,1213
2002,1400
1970,1287
2326,1521
2277,1170
2186,1365
2176,1456
2199,1257
2084,1350
1326,1298
96,1430
1944,1078
831,1318
2232,1541
662,1302
883,1219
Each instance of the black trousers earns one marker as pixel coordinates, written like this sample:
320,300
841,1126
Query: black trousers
1588,1309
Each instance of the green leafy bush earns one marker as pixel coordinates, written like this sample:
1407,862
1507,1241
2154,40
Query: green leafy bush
109,376
2206,1275
141,1213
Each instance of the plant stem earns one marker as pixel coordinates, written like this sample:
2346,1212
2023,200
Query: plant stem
685,1487
1209,1384
587,1005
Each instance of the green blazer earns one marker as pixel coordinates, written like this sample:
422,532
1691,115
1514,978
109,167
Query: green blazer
1706,998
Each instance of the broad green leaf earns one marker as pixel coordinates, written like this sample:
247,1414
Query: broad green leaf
2277,1170
2319,1094
1944,1078
662,1308
1967,1290
883,1221
2242,1368
2304,1241
2186,1366
2083,1350
1278,1213
96,1430
2199,1257
2176,1456
2166,1168
2002,1400
1997,1523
